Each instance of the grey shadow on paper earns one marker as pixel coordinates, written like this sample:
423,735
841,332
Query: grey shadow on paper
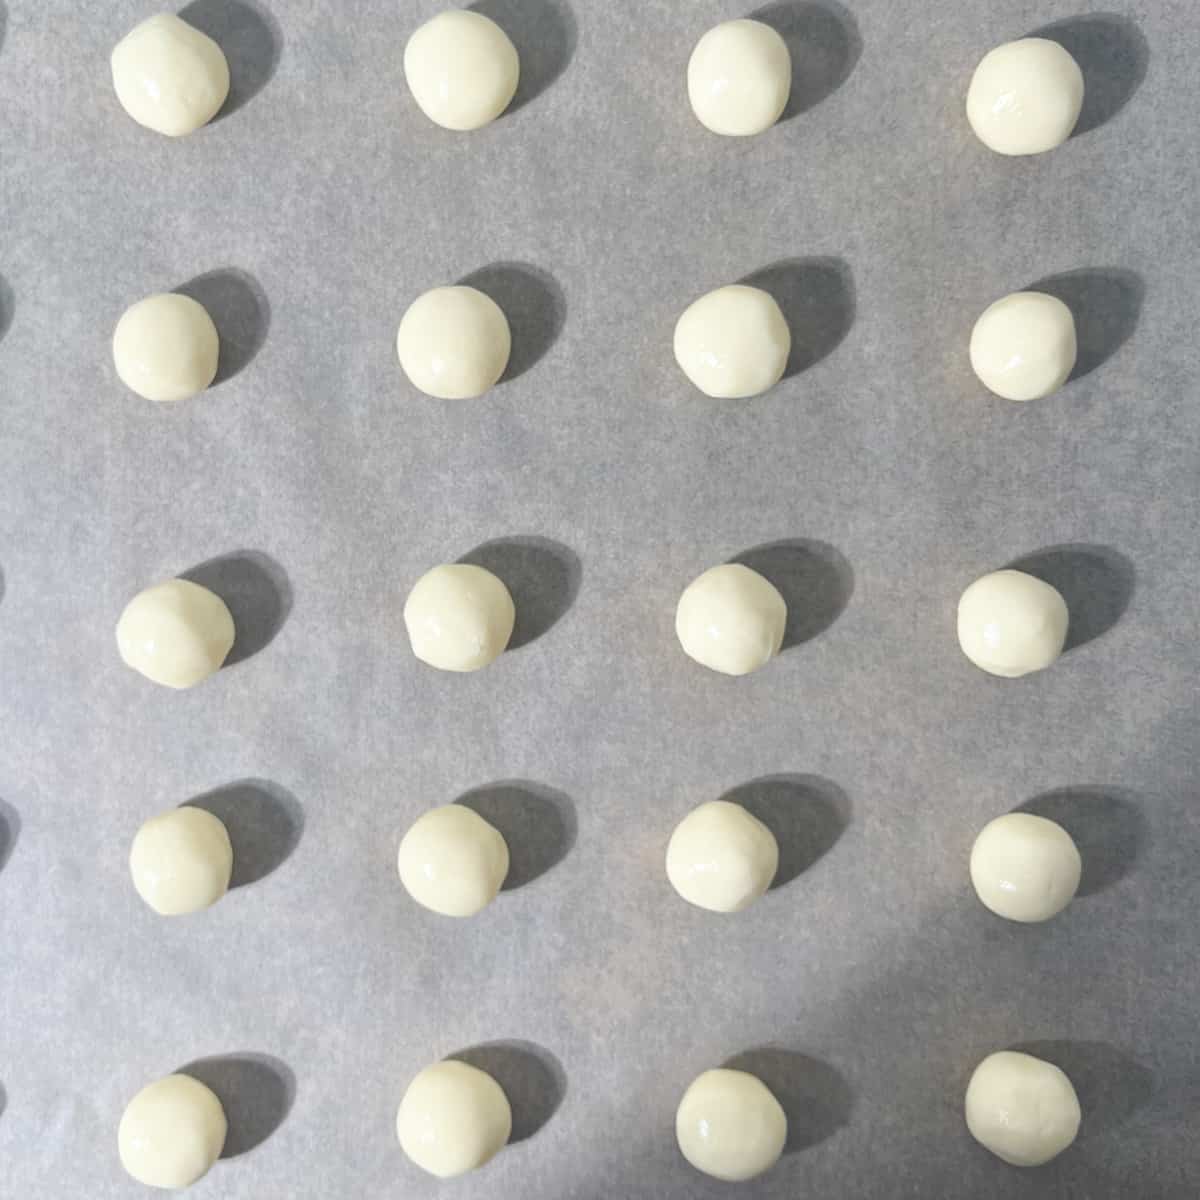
529,1075
250,39
824,44
544,32
255,1090
1,585
264,820
3,34
257,593
8,305
1106,303
537,823
240,311
3,1099
10,829
534,305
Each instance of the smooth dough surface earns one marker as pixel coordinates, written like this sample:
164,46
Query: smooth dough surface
721,857
166,347
1023,347
1023,1109
731,619
739,78
1025,867
1025,97
176,633
1010,623
453,1118
462,69
454,343
169,76
733,343
181,861
453,861
459,617
730,1126
172,1132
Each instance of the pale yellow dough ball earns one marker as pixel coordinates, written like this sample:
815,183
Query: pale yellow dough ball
181,861
172,1132
452,861
176,633
166,347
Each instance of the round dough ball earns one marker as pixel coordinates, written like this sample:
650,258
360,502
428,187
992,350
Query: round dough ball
730,1126
739,78
453,1118
181,861
453,861
721,857
454,343
176,633
1010,623
731,619
169,76
461,69
1025,97
1024,867
1023,347
166,347
1023,1109
459,617
733,343
172,1131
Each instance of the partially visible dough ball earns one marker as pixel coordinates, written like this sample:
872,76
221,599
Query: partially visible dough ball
454,343
181,861
166,347
459,617
169,76
453,1118
1025,867
721,857
1025,97
176,633
172,1132
731,619
739,78
1023,1109
733,343
1023,347
462,69
453,861
730,1126
1010,623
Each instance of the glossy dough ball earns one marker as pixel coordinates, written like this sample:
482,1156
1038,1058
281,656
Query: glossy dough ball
453,1118
739,78
459,617
166,347
454,343
1025,97
730,1126
181,861
172,1132
1024,867
1023,1109
1010,623
1023,347
169,76
175,633
461,69
733,343
453,861
721,857
731,619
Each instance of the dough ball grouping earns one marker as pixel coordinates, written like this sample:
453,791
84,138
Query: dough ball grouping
731,619
1011,624
739,78
1025,867
166,347
1023,347
459,617
453,861
721,857
454,342
181,861
172,1132
730,1126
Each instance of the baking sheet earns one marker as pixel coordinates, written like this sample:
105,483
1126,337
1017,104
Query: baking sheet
314,485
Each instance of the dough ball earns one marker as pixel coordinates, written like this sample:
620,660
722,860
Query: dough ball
165,347
1024,1110
739,78
730,1126
453,1118
1025,97
461,69
453,861
1025,868
175,633
181,861
169,76
721,857
454,343
733,343
459,617
172,1131
1023,347
1010,623
731,619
